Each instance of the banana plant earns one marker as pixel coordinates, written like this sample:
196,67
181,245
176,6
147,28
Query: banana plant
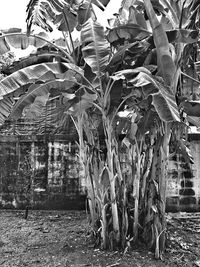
133,69
168,46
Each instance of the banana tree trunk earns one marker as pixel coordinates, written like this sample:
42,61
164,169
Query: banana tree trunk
164,158
136,187
112,174
153,192
84,167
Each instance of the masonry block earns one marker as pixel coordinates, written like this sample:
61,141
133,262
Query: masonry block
188,174
172,203
188,200
187,192
186,183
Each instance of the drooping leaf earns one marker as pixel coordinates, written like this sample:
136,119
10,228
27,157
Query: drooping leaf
139,17
16,83
186,36
33,59
191,108
166,107
11,30
4,47
128,73
43,13
165,63
67,20
21,41
146,122
96,49
37,106
194,121
82,100
46,121
51,118
163,98
183,36
101,3
30,74
125,54
37,90
130,32
84,12
6,105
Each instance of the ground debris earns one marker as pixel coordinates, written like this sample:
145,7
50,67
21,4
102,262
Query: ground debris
60,238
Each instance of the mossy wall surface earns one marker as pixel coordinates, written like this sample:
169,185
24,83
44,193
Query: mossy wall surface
40,172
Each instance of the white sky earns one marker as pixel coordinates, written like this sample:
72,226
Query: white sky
13,14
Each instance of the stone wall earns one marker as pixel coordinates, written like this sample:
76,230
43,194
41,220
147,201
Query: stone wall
40,172
183,184
44,173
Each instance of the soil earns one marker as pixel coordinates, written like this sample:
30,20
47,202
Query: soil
62,238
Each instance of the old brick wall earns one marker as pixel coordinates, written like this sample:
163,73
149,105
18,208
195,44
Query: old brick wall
40,172
183,184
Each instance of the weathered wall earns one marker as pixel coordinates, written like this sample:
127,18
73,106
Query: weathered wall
39,172
183,184
44,172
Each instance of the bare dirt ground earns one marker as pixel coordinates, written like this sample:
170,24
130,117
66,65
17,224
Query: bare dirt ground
61,238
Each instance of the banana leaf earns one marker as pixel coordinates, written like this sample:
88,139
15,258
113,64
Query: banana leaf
43,13
194,121
31,74
166,65
101,3
191,108
180,146
139,18
81,101
147,122
17,83
96,49
128,74
84,13
73,103
6,105
11,30
129,52
39,90
37,106
51,118
21,41
33,59
130,32
163,99
185,36
71,16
